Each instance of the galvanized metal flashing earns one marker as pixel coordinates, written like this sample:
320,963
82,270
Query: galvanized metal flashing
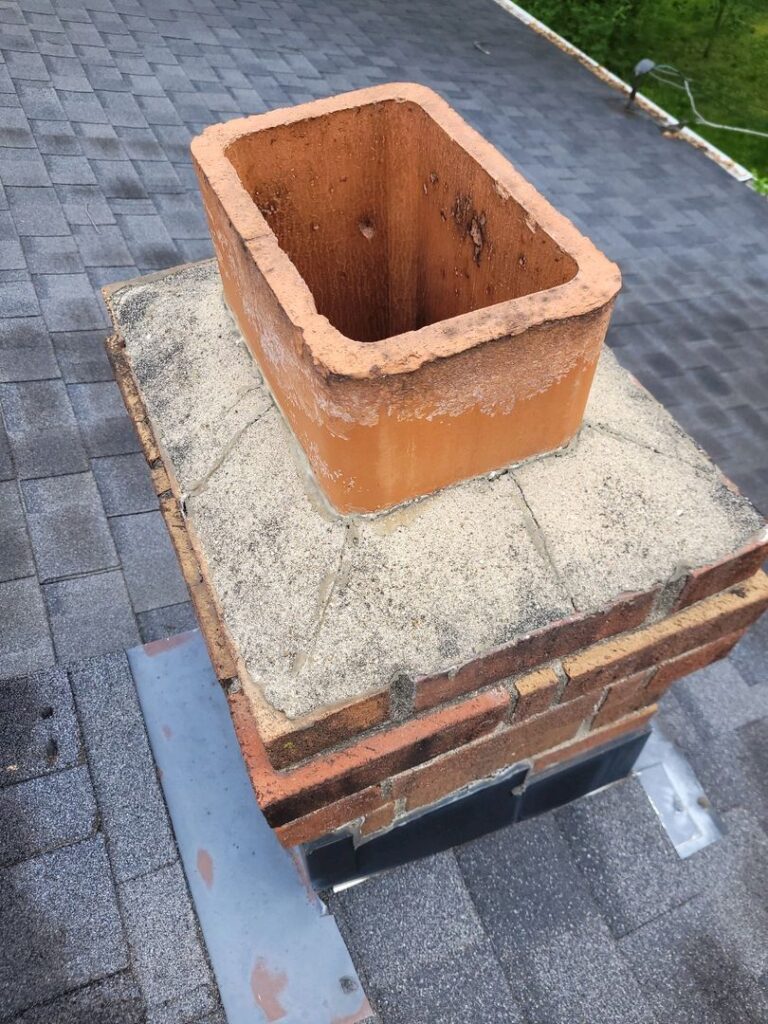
676,795
276,952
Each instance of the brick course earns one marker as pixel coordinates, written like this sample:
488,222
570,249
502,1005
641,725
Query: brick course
457,768
331,816
598,738
553,641
535,693
690,628
622,698
692,661
379,819
380,756
294,740
709,579
402,769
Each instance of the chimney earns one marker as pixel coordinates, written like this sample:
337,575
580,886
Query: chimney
445,552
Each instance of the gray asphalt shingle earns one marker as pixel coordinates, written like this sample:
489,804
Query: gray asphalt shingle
11,254
470,986
160,623
158,915
26,645
125,484
39,733
36,211
633,871
718,699
102,246
749,654
188,1007
403,921
84,204
45,813
104,423
149,562
42,429
126,785
22,167
753,755
67,526
558,955
17,295
707,960
7,470
64,901
90,615
56,137
115,1000
68,302
15,553
26,352
54,254
81,356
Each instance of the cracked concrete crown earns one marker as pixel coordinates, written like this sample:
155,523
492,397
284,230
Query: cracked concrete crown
324,608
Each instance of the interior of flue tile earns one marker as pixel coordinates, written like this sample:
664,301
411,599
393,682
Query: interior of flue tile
391,224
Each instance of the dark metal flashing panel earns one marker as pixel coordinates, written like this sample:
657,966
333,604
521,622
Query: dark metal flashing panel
509,797
276,953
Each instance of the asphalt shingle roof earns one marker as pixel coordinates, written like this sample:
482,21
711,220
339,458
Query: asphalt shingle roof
583,915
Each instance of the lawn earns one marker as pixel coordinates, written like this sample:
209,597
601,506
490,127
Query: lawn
730,84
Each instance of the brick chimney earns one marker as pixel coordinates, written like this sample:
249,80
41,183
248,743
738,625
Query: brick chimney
431,530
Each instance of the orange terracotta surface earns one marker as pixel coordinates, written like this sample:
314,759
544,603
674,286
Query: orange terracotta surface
421,314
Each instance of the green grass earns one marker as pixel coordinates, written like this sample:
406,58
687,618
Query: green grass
730,85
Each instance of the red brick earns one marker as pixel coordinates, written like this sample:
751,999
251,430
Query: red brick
597,738
376,757
479,760
535,693
622,698
303,738
690,662
553,641
711,579
376,820
326,819
700,624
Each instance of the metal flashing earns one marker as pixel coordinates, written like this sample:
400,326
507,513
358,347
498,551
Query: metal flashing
676,795
276,952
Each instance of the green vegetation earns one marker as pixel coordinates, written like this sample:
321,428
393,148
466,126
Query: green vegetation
721,46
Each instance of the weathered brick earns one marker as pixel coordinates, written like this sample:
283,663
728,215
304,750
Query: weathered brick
597,738
289,741
553,641
479,760
693,627
700,657
377,757
535,693
332,816
622,698
376,820
711,579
